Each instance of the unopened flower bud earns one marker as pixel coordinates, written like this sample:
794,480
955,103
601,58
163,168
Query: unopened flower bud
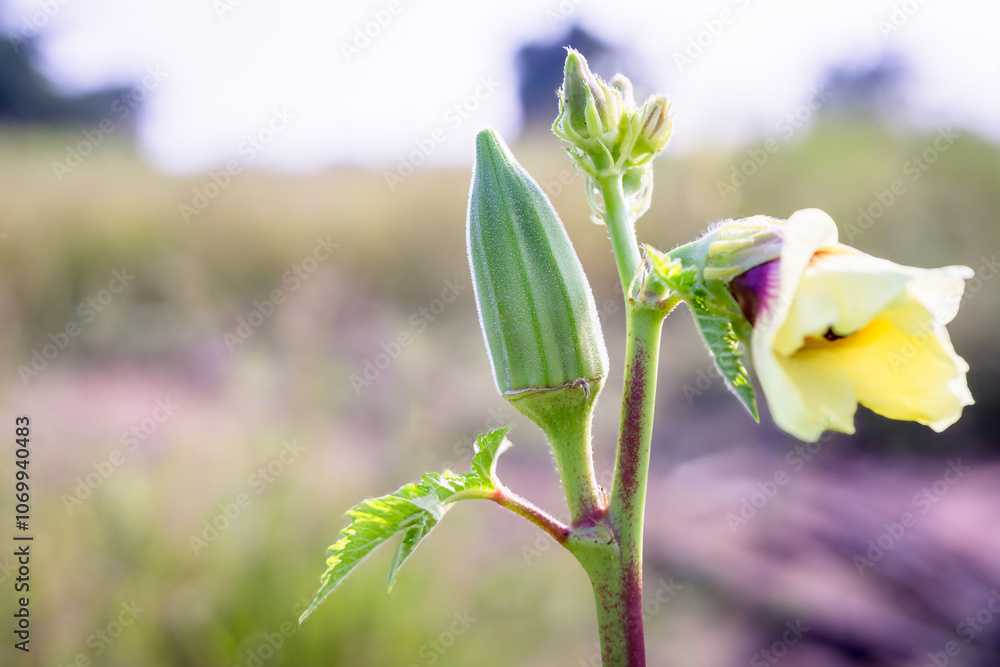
590,107
608,134
655,127
621,83
733,247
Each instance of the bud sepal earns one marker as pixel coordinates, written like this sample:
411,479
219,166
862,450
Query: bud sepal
699,272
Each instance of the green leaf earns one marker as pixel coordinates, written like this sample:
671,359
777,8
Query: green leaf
413,510
715,324
716,314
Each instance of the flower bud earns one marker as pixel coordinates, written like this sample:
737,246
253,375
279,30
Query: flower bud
621,83
535,306
608,134
728,249
591,117
655,128
733,247
576,95
590,108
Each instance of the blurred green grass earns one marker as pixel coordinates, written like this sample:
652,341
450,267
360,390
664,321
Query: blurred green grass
163,336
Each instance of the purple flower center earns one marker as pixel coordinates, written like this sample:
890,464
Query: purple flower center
753,288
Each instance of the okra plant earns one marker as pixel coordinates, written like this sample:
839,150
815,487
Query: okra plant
827,327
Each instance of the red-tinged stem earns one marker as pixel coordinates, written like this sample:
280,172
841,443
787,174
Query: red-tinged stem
628,493
617,579
520,506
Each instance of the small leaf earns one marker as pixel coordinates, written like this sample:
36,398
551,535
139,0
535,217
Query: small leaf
489,447
716,314
413,509
715,325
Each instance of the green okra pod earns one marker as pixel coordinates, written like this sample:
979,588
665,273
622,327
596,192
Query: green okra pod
535,305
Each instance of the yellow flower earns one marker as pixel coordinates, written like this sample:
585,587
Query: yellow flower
834,327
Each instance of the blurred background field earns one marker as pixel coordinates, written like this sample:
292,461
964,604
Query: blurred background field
268,425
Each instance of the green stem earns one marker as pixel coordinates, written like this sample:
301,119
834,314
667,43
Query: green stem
565,415
522,507
621,228
602,563
628,492
617,580
570,441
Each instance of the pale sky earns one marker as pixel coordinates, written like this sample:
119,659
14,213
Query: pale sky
296,73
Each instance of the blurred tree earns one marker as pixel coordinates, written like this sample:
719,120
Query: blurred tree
540,71
871,89
26,97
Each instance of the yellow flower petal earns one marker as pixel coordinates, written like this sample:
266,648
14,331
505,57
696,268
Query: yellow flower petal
843,327
939,291
810,392
909,375
842,292
805,232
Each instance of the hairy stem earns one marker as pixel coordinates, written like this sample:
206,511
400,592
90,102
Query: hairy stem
621,228
565,414
520,506
617,580
628,493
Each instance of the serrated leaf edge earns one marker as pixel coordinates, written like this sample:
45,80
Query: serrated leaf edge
430,499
